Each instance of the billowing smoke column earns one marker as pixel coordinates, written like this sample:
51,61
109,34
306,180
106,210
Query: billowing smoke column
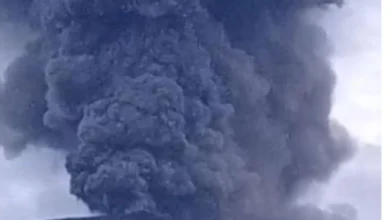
192,109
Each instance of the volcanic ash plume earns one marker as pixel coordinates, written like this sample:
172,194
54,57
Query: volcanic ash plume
190,109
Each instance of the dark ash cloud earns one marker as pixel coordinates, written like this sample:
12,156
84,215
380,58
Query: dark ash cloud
193,109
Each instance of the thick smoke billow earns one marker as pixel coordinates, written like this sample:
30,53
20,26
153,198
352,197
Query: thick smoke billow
191,109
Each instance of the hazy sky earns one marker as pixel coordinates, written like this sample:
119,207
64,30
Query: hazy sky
35,186
356,33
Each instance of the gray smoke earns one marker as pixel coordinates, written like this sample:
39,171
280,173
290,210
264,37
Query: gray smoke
192,109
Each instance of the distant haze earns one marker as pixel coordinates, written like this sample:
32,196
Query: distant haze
357,102
357,62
